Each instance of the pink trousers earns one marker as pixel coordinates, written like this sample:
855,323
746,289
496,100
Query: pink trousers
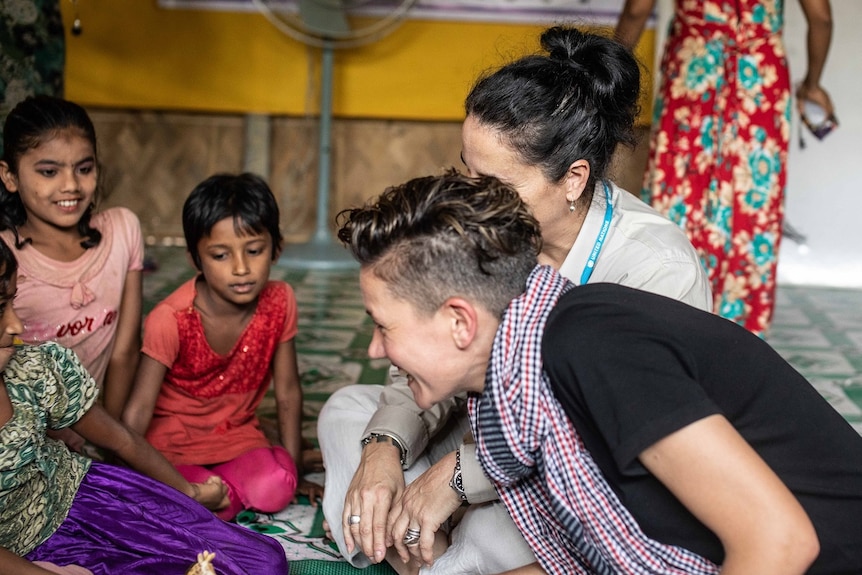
262,479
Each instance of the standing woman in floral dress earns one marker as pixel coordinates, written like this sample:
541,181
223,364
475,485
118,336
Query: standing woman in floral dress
721,128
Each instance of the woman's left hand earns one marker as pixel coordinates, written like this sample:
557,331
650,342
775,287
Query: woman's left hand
425,505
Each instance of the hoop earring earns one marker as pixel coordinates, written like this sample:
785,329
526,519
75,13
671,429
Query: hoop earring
571,206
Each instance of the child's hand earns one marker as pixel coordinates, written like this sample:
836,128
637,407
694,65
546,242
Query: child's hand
212,494
68,436
312,490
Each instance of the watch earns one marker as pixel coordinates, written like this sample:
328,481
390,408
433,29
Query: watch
386,438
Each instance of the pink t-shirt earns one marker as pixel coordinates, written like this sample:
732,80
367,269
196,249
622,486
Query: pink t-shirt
205,411
77,303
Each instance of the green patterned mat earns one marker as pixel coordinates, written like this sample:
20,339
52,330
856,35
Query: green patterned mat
819,331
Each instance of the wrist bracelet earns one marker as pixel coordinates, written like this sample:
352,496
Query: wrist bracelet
457,481
386,438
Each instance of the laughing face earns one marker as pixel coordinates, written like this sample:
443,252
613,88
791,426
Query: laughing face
56,181
428,347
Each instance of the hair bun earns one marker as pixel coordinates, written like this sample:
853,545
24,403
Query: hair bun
562,44
603,66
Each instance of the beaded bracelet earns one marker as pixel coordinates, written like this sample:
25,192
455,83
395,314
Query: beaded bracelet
457,481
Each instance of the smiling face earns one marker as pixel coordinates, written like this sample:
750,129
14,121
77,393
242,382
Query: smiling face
484,152
438,361
235,265
56,181
10,325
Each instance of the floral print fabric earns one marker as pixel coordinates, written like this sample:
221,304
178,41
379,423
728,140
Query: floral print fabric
39,477
721,129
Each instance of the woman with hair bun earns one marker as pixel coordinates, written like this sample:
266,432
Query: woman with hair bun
547,125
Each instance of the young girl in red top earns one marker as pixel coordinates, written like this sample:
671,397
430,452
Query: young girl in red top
212,348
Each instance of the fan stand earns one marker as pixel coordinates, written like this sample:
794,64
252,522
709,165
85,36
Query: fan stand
322,252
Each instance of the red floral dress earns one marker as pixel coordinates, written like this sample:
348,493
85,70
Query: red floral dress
718,152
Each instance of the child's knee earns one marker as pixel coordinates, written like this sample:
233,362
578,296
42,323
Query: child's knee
274,485
284,460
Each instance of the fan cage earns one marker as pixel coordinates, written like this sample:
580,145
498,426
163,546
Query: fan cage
284,15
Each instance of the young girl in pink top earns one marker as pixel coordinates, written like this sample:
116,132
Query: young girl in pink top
79,282
213,347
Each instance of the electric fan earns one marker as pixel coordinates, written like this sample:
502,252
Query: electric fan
324,24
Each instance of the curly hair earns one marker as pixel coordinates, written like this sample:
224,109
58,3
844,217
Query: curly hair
28,125
438,236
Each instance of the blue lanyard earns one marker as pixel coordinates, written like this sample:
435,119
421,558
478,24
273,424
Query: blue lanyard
600,240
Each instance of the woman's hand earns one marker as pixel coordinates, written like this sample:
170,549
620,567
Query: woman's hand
817,95
425,505
377,483
212,494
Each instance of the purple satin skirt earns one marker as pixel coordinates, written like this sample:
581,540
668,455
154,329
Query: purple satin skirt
122,522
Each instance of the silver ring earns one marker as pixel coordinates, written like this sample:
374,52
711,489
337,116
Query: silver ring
411,537
353,520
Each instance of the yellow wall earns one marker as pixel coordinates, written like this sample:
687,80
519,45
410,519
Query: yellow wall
133,54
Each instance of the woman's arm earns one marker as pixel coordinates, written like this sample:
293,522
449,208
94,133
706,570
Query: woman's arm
148,382
716,474
818,13
632,20
127,346
100,428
